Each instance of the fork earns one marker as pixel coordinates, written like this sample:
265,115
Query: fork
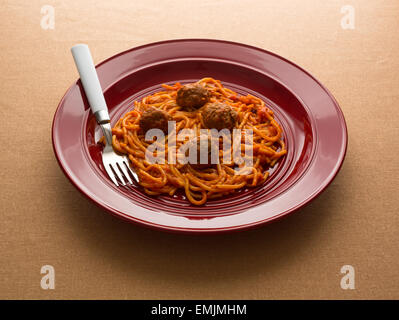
114,164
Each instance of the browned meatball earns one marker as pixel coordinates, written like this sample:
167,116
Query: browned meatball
153,118
219,116
192,96
204,144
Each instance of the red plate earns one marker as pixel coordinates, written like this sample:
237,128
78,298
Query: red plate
313,124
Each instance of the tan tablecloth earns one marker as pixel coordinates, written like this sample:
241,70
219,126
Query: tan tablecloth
45,220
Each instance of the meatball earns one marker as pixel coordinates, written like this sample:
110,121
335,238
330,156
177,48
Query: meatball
153,118
204,145
192,96
219,116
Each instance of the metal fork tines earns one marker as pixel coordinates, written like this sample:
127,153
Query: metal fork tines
116,164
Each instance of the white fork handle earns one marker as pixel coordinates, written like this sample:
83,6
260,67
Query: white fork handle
91,84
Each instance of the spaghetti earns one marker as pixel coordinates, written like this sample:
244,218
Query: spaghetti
201,183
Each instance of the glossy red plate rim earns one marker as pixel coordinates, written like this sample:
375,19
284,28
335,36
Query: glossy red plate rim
239,226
